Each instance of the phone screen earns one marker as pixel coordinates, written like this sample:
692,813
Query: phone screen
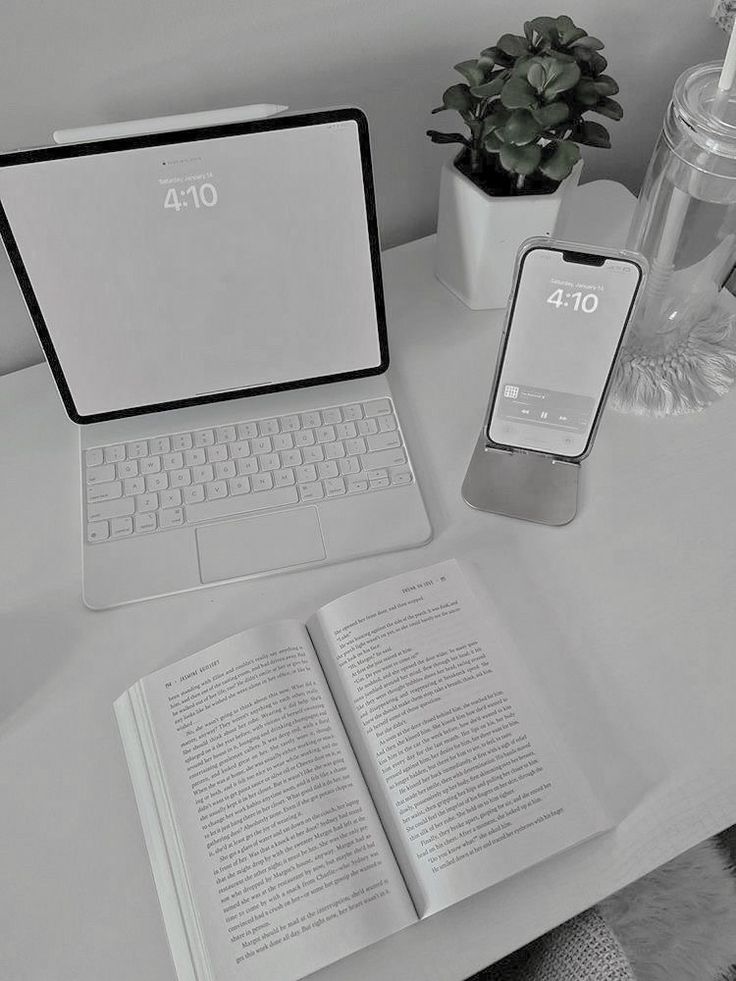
566,325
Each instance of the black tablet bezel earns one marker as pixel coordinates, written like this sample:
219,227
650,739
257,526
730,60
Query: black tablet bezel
185,136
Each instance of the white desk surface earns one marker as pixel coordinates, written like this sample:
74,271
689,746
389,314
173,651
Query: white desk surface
627,617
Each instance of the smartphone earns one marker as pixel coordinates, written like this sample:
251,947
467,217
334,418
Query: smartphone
568,311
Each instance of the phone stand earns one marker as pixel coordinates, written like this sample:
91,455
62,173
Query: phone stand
521,484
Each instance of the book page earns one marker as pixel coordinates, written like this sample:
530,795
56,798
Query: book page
286,863
465,770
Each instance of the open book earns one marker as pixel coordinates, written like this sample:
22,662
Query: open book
308,790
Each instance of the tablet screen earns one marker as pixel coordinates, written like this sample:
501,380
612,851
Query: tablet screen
165,273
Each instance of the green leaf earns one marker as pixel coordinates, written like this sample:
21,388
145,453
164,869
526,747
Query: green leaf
517,93
472,71
605,85
494,119
494,56
521,159
610,108
561,76
521,128
597,63
536,75
552,114
559,159
591,43
546,27
489,89
521,66
528,31
457,97
591,134
567,30
437,137
513,45
493,143
585,92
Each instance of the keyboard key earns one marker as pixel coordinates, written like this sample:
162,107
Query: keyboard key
173,518
325,434
226,434
146,502
134,485
354,447
203,474
243,502
180,478
101,475
144,522
387,424
150,464
105,492
269,461
216,454
304,437
346,430
306,474
356,485
349,465
173,461
114,454
334,451
290,424
137,449
377,407
327,469
291,458
93,458
247,430
247,466
195,458
312,491
204,437
283,441
334,486
312,454
367,427
331,416
102,510
98,531
380,482
310,420
352,412
239,449
268,427
261,482
239,485
170,498
157,482
226,469
120,527
284,478
383,441
216,490
193,494
182,441
401,476
160,444
128,468
261,444
385,458
377,474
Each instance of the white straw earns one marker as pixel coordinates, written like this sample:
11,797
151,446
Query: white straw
728,72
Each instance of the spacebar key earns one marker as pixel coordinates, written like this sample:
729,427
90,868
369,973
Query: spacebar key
242,502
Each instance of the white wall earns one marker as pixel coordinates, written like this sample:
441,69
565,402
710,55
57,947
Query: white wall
87,61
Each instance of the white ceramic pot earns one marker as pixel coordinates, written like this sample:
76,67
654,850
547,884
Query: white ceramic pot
478,236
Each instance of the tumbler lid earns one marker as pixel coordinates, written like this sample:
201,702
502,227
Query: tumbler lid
693,101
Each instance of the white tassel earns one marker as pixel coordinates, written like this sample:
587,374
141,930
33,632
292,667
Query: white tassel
698,369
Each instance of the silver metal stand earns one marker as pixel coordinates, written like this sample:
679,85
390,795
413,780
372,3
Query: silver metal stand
521,484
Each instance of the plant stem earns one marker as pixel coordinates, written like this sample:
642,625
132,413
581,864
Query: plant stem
519,181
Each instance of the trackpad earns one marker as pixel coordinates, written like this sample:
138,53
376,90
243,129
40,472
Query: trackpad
262,543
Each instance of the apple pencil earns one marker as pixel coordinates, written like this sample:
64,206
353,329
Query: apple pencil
164,124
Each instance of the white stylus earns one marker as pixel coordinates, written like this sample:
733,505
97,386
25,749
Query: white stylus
164,124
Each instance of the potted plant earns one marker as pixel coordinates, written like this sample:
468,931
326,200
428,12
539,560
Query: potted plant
523,103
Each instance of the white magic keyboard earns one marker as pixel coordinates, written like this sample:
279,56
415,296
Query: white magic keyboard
171,481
